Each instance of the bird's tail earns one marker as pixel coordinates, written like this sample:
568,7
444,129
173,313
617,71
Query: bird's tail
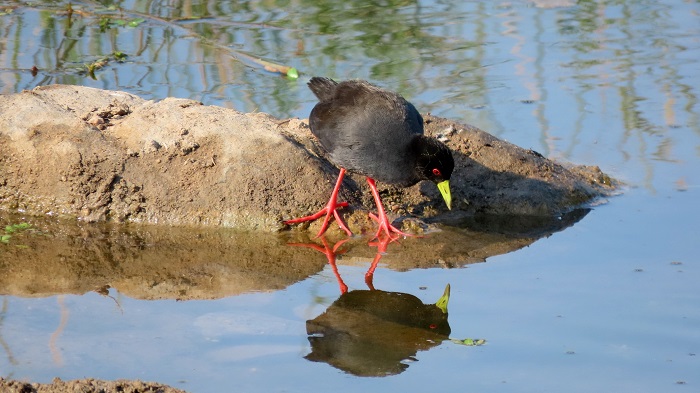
323,88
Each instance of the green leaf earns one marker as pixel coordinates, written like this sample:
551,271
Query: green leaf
91,70
5,238
135,22
470,342
105,24
17,227
119,56
292,73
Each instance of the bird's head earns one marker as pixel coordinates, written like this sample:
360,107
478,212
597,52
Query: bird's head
435,163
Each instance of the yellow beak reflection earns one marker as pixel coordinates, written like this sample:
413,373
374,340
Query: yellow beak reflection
444,299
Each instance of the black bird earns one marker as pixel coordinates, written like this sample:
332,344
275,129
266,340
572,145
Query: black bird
377,133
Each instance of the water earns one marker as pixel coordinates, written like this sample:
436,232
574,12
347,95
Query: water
609,304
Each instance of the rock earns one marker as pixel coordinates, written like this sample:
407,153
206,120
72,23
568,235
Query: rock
87,385
100,155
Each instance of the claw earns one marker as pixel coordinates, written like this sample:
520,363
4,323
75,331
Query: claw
331,210
381,217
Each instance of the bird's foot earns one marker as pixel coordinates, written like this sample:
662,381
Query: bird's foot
386,228
331,210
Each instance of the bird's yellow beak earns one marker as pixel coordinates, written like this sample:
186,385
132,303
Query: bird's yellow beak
444,187
442,302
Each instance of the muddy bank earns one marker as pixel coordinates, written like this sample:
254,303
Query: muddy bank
88,385
111,156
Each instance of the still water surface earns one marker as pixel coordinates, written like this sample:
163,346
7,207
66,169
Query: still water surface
610,304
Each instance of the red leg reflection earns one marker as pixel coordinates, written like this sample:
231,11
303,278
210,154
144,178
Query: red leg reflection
382,243
330,253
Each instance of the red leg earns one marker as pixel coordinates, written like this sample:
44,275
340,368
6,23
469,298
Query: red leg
381,218
331,209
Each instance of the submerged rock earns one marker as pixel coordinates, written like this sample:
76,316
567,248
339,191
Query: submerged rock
100,155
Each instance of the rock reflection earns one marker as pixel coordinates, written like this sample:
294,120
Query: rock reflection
53,256
374,332
145,262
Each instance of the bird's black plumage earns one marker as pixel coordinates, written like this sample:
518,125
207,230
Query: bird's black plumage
377,133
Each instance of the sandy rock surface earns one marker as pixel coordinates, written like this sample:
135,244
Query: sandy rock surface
87,385
104,155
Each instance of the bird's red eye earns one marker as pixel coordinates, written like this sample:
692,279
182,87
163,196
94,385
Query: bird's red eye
432,325
437,172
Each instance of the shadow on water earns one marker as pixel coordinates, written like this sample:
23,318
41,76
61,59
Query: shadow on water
517,226
52,256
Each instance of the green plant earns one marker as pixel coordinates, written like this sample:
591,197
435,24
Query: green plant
90,68
107,22
11,230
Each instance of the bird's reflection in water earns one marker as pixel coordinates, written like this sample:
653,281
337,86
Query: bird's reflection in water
374,332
